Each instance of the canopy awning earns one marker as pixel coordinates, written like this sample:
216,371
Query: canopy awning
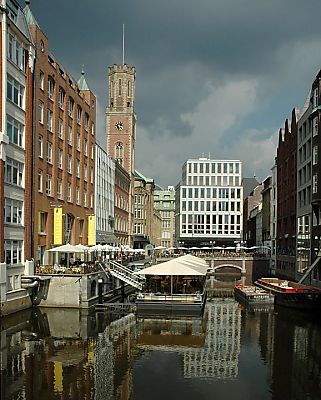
179,266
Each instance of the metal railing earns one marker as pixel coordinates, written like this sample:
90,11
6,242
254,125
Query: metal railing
126,275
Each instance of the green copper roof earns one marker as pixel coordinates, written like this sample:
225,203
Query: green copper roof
82,84
29,17
141,176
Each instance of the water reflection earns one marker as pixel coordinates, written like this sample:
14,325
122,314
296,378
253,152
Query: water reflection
70,354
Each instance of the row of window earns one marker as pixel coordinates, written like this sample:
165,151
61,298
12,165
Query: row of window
211,230
201,219
80,200
211,193
139,213
121,224
61,100
121,202
213,180
308,127
138,229
50,121
120,88
213,168
211,205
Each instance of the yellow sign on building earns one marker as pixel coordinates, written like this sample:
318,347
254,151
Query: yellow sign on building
91,230
57,225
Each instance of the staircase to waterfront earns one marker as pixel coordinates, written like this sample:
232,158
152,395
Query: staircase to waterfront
126,275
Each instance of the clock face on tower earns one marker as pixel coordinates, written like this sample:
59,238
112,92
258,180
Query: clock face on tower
119,126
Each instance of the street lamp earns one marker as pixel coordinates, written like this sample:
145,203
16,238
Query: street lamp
212,242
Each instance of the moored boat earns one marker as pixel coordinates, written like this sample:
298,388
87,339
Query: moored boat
292,294
252,294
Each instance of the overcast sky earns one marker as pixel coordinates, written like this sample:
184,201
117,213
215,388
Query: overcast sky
214,77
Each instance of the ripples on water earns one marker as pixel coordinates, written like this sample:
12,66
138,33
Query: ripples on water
230,353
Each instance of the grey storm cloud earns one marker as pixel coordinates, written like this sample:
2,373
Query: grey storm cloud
213,76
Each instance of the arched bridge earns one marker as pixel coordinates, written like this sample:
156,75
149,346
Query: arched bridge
249,265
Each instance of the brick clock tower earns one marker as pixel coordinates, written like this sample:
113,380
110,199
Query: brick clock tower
121,124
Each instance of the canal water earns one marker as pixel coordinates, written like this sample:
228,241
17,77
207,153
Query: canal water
232,352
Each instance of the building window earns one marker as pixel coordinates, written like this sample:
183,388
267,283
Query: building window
42,222
49,120
315,155
59,189
59,158
41,80
40,187
13,251
85,171
70,106
77,195
91,175
15,91
119,87
69,192
15,131
40,111
61,98
315,97
49,152
85,147
48,184
315,126
51,87
85,199
86,121
315,183
14,172
77,168
69,138
60,128
69,163
40,146
128,88
78,141
16,52
79,111
13,211
92,152
119,152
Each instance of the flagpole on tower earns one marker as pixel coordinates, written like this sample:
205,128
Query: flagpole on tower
123,44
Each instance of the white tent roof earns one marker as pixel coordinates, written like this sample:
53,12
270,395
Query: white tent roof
66,248
175,267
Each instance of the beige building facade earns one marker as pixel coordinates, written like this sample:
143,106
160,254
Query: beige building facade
164,203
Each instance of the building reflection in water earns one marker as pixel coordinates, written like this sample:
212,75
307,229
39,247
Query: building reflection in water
70,354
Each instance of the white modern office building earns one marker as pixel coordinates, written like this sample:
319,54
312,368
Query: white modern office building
209,201
104,196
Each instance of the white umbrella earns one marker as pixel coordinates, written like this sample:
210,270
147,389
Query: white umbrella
159,248
82,247
229,248
171,248
194,248
66,248
206,248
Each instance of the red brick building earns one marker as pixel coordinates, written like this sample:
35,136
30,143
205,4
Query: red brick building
63,149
